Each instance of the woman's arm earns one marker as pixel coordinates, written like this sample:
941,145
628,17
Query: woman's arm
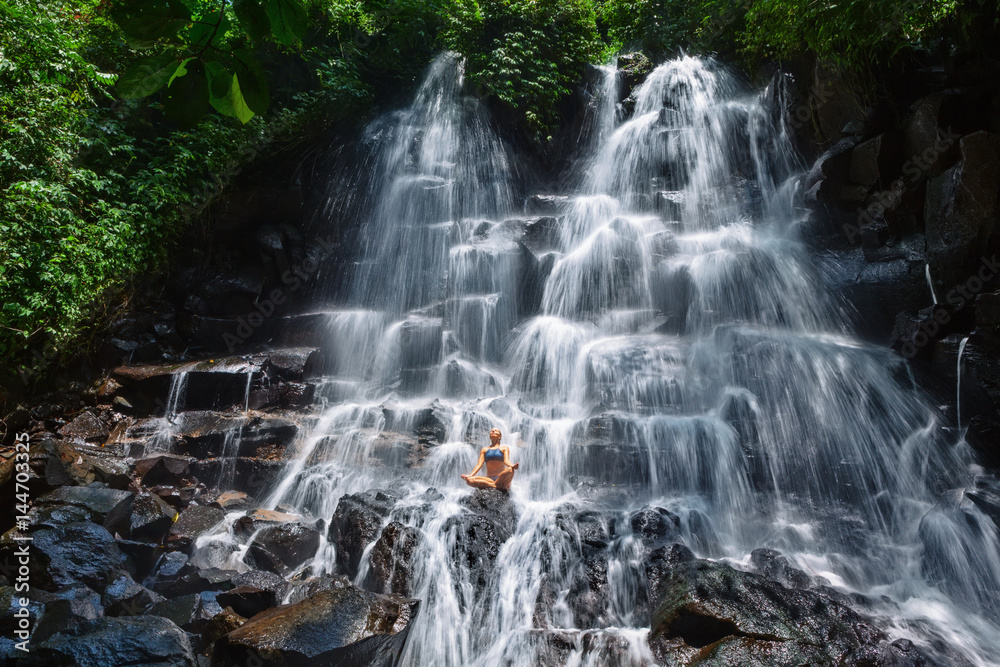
482,460
506,457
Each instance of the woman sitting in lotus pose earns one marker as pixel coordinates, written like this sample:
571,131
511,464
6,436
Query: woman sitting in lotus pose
499,470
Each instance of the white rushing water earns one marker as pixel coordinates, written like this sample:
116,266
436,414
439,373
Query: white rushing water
659,337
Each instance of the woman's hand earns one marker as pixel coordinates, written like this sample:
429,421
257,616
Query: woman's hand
466,476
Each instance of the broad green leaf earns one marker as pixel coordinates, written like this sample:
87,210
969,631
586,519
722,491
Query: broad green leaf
288,20
219,79
253,83
253,18
180,71
151,19
233,104
187,98
146,76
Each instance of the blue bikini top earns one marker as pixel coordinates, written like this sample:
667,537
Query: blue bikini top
492,454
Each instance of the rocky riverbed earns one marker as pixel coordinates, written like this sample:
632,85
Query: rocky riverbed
115,577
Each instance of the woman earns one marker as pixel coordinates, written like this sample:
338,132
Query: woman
499,471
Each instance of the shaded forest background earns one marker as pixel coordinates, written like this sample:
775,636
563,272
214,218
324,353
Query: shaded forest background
120,122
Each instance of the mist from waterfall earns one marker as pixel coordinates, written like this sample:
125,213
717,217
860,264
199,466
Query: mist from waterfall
659,336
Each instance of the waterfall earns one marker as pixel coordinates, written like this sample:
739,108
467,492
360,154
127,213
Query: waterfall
659,336
162,439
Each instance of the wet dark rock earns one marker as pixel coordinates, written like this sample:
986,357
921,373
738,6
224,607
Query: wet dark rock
172,564
64,609
294,364
143,640
222,623
829,173
163,470
126,597
655,526
209,434
192,523
185,611
985,494
83,464
545,204
176,576
141,556
774,566
479,535
262,580
430,425
282,548
109,507
306,588
988,311
960,208
391,559
867,160
79,552
541,234
282,394
150,519
247,601
920,130
346,626
10,607
742,618
179,498
250,475
86,427
52,516
356,523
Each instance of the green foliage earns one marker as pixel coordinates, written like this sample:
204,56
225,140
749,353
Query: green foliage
527,52
854,34
662,27
94,190
202,53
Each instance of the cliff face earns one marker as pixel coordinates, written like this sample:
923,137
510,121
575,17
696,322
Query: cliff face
904,196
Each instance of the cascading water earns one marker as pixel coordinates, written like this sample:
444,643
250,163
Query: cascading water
657,338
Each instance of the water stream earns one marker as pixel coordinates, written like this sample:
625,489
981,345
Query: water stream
656,336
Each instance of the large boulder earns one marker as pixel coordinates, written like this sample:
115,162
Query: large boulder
707,611
345,626
391,559
150,519
65,609
186,611
356,523
86,427
192,523
283,548
109,507
150,641
126,597
478,535
76,553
